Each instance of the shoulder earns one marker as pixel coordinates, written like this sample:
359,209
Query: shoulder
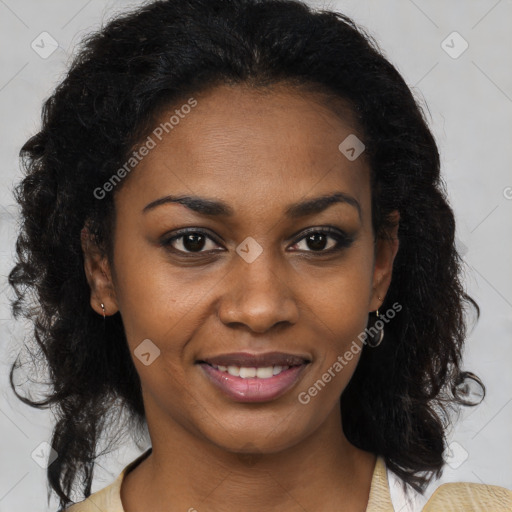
469,497
106,499
449,497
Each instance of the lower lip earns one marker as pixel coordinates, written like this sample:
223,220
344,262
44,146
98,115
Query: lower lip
253,389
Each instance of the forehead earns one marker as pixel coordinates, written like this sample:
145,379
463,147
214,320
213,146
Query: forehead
250,147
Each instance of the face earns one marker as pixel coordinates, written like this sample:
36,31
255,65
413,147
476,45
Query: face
248,291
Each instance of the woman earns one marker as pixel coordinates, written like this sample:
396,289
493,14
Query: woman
235,226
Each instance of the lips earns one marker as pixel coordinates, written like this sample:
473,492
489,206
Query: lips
245,377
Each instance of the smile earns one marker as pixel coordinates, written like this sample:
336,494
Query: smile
254,378
245,372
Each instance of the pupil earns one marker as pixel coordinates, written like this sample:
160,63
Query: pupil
193,242
317,241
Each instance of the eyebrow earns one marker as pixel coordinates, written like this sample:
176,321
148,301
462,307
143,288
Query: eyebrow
319,204
213,207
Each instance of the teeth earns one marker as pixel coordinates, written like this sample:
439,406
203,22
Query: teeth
234,370
277,369
264,373
245,372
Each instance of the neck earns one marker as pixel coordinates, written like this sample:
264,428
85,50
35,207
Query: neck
185,472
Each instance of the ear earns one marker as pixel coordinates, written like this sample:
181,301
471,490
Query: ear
385,252
98,274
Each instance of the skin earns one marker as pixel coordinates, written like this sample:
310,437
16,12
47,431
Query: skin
259,152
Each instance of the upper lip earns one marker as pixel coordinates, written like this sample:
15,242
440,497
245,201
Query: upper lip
249,360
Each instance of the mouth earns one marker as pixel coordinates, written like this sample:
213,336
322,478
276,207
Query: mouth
245,377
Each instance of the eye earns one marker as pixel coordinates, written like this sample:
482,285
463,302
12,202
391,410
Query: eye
321,240
317,240
190,241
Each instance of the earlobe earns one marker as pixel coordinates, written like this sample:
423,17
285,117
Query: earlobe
98,275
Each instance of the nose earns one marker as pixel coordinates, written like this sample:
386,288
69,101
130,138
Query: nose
258,296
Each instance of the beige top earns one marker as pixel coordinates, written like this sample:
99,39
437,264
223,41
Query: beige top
449,497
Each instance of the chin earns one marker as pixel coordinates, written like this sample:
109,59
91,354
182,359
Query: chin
263,436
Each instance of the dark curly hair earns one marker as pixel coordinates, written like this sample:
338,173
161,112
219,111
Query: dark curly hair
399,401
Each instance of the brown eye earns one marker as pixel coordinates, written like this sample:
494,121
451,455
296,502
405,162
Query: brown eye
191,241
323,240
317,241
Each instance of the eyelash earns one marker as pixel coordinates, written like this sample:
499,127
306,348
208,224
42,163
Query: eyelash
342,240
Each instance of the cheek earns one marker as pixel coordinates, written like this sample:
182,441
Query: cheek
339,297
339,313
341,321
154,298
338,349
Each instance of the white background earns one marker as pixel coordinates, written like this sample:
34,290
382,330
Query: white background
469,104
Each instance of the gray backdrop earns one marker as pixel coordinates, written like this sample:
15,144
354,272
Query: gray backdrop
456,57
